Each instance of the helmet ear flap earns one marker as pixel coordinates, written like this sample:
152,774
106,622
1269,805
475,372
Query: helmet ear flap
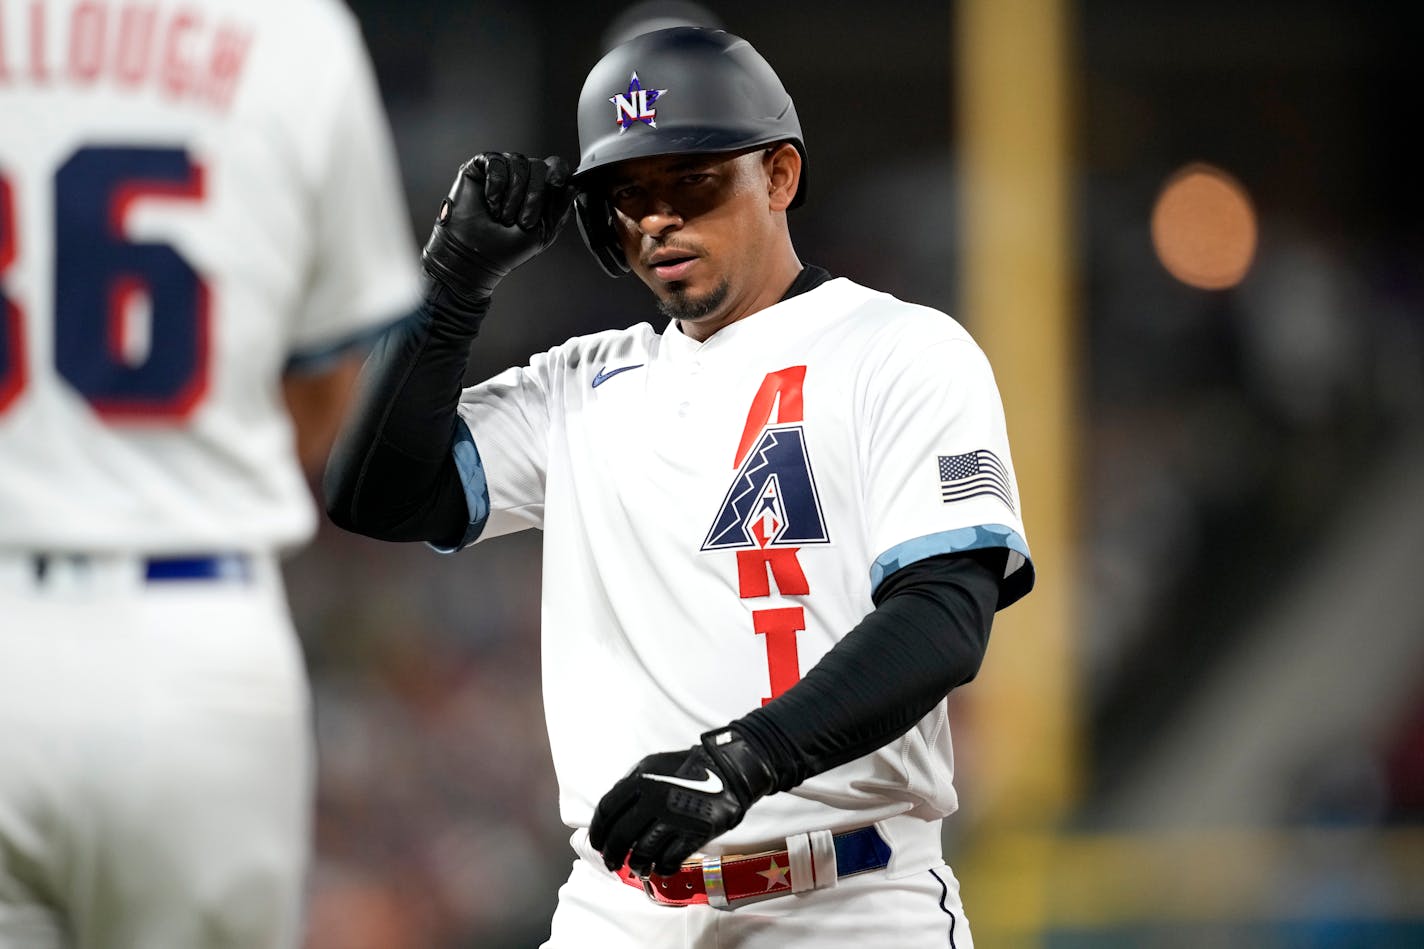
595,223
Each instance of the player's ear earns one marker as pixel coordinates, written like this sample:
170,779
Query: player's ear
783,174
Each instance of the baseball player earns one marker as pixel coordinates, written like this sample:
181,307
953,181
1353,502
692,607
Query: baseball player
776,530
197,216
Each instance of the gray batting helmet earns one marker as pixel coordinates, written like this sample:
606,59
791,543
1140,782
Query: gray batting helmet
681,90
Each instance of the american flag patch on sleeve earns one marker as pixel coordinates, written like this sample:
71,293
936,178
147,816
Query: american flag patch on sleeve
974,474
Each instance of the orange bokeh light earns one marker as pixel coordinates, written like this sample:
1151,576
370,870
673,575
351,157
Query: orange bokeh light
1204,228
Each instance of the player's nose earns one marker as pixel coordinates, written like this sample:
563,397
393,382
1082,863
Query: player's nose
659,218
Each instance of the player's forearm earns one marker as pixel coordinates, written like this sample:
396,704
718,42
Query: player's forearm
927,635
391,474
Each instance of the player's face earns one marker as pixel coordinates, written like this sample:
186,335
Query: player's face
705,233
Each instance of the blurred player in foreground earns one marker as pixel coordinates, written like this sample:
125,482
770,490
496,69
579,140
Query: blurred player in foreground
776,532
199,215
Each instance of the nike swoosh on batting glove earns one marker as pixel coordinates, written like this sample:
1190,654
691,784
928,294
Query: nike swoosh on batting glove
672,804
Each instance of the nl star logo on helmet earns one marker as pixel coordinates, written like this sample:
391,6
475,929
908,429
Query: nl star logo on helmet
636,105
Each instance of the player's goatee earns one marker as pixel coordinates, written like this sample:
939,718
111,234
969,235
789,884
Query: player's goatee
679,305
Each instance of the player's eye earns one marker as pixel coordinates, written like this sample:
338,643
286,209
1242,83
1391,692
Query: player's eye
696,178
622,194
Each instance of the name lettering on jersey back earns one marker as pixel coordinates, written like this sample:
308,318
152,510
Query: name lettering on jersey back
772,510
132,47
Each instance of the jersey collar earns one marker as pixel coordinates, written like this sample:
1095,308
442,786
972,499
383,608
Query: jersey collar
678,344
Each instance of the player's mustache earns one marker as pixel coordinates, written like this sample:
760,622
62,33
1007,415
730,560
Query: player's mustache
670,244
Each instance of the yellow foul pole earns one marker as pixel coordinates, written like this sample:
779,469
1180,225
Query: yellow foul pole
1013,98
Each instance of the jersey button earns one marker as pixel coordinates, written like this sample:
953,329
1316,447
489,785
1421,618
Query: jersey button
683,409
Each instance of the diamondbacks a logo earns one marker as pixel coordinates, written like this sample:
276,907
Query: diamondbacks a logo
773,499
635,105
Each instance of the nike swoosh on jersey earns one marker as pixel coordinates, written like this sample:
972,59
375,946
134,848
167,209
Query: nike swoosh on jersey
604,375
712,784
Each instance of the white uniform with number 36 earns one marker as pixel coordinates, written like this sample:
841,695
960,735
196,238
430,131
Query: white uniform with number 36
194,197
716,517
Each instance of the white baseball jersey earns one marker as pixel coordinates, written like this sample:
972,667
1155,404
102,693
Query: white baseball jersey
717,515
192,196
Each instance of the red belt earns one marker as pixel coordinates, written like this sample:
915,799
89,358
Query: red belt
722,881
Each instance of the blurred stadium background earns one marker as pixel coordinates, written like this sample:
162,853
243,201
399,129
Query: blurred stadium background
1189,236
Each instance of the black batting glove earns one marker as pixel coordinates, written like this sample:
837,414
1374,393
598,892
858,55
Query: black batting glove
672,804
502,210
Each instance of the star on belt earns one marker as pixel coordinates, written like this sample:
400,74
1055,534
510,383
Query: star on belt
775,876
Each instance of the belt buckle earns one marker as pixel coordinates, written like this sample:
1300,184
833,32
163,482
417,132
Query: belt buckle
712,884
648,888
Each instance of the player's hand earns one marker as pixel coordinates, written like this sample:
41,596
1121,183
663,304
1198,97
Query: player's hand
671,804
502,210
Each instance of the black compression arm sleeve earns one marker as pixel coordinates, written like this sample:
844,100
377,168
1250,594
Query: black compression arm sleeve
927,634
391,474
